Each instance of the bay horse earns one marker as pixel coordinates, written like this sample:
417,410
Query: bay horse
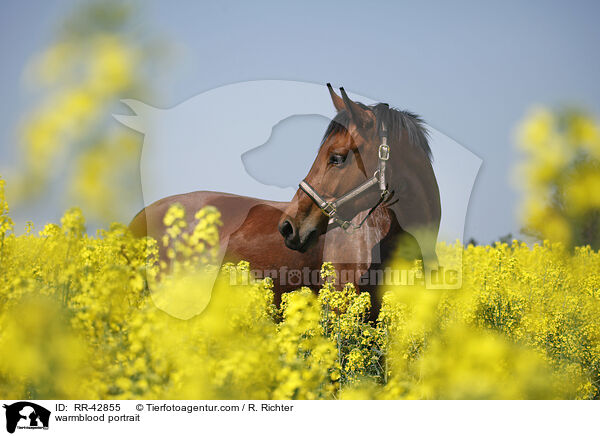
371,195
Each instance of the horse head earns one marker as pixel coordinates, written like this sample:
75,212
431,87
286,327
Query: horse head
354,172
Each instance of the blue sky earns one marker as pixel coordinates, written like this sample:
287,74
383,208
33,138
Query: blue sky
471,69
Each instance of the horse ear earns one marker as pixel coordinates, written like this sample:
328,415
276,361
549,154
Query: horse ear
338,103
359,115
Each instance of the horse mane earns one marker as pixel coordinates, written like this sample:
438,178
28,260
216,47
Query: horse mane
397,121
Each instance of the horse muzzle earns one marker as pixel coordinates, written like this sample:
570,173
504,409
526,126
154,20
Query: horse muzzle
294,238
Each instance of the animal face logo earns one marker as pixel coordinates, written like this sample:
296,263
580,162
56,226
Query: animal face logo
26,415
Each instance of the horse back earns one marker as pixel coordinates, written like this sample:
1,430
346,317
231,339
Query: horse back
233,208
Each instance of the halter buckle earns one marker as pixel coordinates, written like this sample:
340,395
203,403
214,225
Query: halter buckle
384,152
329,209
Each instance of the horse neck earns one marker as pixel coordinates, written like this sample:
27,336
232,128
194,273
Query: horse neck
420,217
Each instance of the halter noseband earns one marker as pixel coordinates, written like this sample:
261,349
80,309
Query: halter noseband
330,208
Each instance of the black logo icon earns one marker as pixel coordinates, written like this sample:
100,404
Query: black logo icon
24,414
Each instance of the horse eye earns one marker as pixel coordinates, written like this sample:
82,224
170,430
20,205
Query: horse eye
336,159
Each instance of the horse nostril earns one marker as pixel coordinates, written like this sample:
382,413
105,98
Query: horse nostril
286,229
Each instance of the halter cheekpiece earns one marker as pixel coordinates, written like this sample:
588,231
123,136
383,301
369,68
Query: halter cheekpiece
330,208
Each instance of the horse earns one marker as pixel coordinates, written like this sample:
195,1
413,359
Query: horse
370,196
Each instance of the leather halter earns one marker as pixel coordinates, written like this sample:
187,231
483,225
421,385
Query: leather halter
330,208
